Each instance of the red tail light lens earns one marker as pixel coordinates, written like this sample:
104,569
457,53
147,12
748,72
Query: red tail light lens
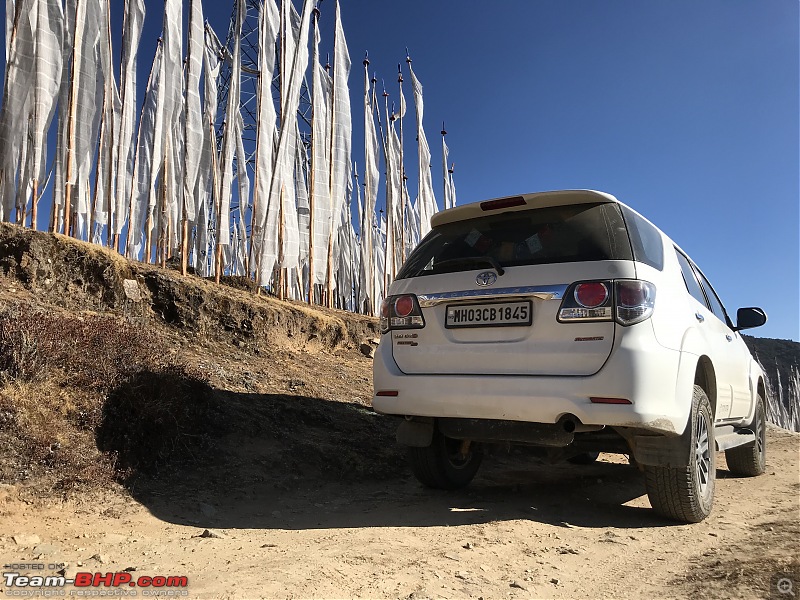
403,306
635,300
591,295
596,400
632,293
503,203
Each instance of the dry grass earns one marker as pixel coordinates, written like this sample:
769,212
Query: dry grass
86,398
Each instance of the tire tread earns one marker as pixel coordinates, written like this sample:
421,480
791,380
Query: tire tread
671,490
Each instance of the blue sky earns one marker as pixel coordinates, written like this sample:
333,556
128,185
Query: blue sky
687,111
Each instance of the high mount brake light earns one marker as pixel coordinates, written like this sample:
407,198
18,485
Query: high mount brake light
503,203
401,312
627,301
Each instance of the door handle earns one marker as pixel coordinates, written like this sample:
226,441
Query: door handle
699,317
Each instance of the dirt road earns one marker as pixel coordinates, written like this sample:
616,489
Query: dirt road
520,531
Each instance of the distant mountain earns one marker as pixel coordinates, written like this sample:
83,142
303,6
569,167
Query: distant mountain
781,362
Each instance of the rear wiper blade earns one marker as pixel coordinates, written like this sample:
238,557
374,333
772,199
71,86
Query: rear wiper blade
472,259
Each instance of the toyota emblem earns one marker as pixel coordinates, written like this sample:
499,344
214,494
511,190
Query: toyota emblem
486,278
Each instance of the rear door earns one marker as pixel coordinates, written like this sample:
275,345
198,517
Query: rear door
736,351
716,336
490,290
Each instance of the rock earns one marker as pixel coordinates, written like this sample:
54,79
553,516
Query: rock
129,569
555,581
519,586
24,539
269,545
468,546
46,549
367,350
375,341
101,558
209,534
132,291
452,556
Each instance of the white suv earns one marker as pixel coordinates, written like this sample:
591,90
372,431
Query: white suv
567,321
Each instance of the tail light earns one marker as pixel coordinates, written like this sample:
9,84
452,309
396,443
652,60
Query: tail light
635,301
401,312
628,301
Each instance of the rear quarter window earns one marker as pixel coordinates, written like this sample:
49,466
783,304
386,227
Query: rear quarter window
560,234
648,246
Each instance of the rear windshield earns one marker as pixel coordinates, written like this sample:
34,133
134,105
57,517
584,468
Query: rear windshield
558,234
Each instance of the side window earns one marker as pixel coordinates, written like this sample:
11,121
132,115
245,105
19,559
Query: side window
690,279
645,239
713,300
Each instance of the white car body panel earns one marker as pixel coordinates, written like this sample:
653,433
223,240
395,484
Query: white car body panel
540,373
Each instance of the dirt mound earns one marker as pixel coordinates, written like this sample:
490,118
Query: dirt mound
75,275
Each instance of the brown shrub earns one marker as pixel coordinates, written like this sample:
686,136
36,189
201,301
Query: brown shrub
72,383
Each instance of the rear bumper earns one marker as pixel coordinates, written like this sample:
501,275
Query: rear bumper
638,370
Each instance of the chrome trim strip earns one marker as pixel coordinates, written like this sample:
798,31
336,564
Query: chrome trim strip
542,292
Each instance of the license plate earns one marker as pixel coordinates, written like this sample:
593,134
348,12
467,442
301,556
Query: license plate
496,314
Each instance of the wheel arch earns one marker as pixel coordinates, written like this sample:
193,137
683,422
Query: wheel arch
761,390
706,378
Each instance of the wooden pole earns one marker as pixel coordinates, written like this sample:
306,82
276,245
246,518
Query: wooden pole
215,191
71,141
148,228
281,270
34,203
402,179
165,231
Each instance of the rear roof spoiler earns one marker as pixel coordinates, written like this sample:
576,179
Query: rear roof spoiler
521,202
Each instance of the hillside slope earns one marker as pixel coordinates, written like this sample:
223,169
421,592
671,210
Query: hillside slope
111,368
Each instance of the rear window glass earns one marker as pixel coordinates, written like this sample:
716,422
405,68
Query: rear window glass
648,247
690,279
559,234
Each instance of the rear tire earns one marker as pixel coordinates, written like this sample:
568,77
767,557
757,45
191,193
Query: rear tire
687,493
441,466
751,460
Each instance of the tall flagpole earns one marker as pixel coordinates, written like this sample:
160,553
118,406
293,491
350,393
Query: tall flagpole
402,171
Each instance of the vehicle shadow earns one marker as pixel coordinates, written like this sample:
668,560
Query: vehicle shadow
274,461
562,495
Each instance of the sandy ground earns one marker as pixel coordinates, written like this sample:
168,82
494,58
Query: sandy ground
521,530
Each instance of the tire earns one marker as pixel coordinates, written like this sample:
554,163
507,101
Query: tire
584,458
751,460
440,465
687,493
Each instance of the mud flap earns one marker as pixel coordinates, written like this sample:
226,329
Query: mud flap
417,433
